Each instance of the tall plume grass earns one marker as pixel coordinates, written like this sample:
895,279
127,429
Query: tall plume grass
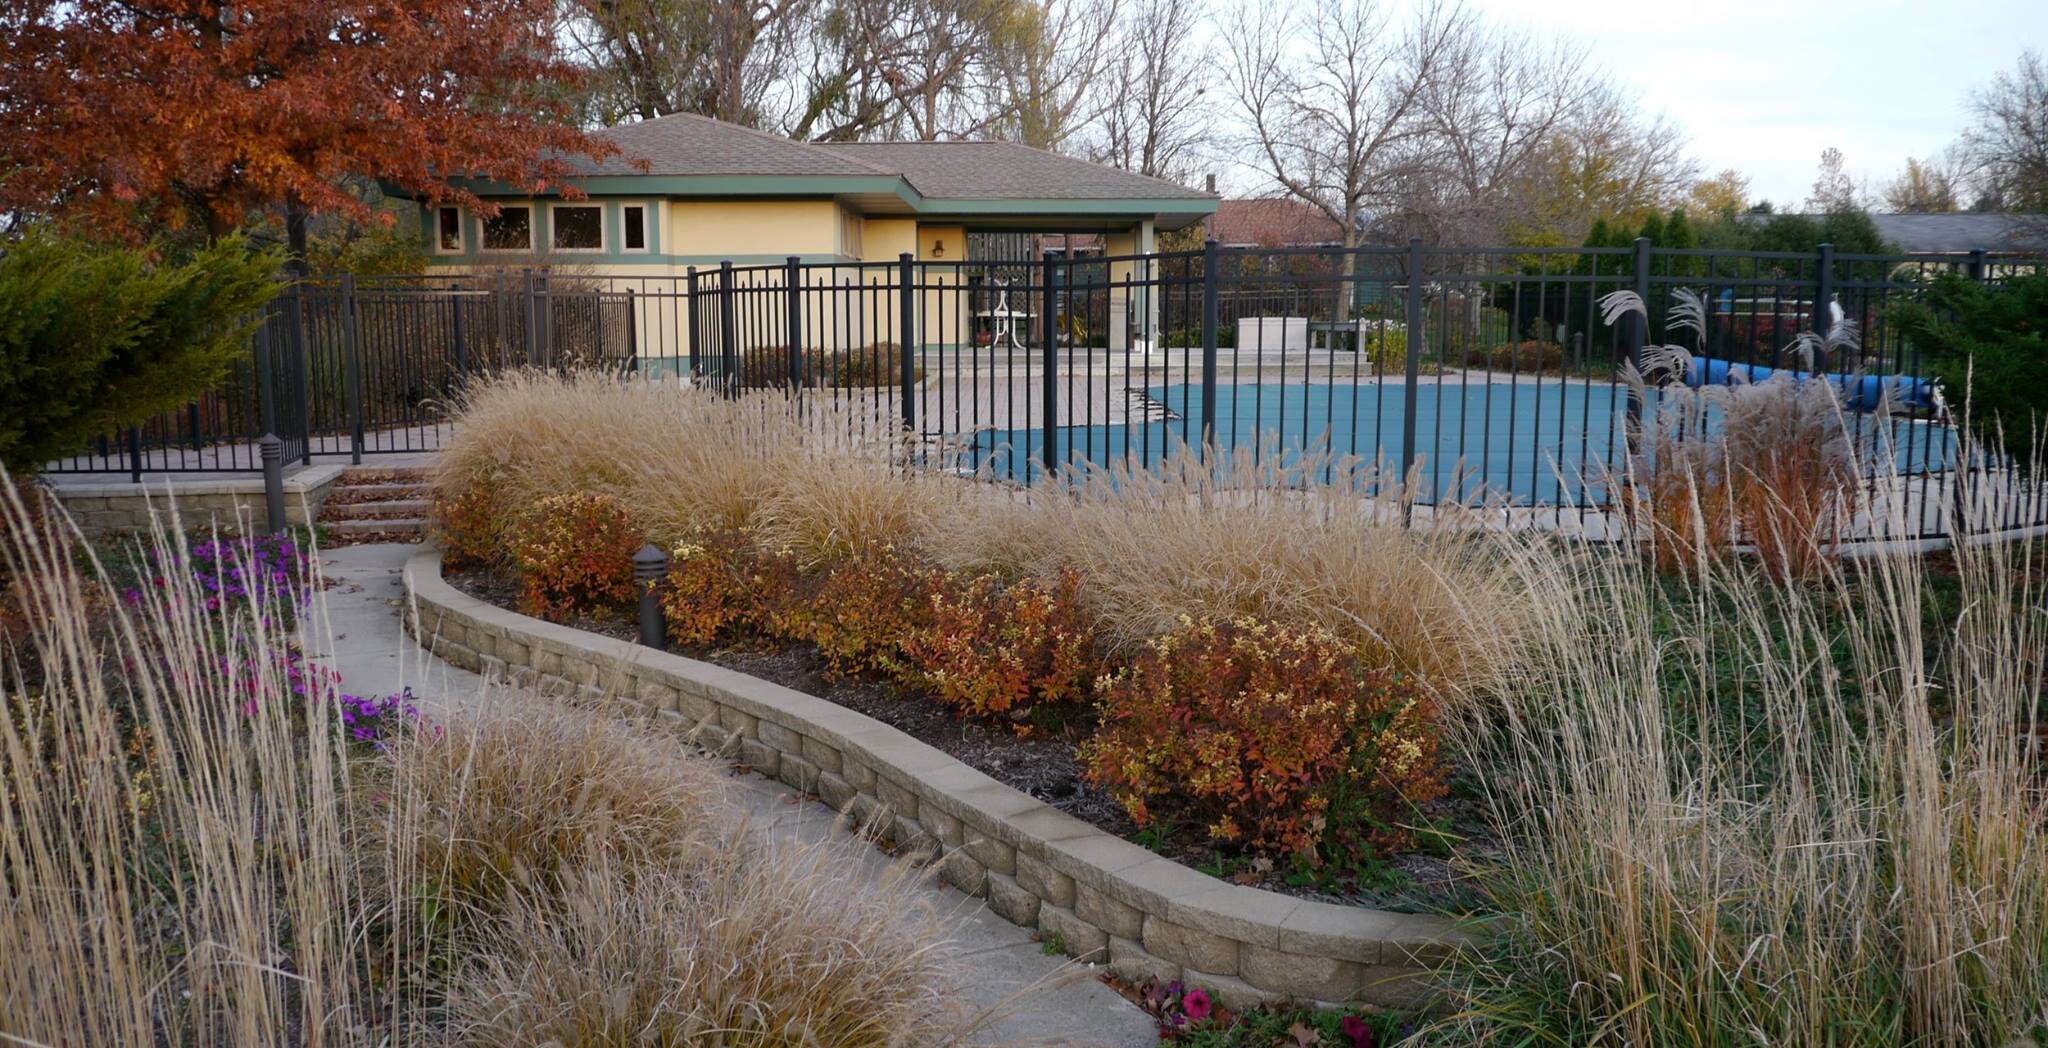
191,853
1741,811
1247,535
174,867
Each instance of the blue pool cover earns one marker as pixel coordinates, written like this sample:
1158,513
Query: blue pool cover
1522,442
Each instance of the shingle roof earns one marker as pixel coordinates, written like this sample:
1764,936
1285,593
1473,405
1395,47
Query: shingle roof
1273,222
1007,171
687,144
1964,232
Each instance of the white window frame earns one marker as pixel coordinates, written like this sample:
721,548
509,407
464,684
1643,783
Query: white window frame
461,230
483,245
603,237
647,220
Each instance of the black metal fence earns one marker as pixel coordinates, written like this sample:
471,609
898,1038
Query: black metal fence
1482,374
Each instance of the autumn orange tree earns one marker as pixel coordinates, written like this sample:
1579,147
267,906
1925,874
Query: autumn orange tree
138,115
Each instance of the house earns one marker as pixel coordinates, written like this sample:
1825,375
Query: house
689,192
1960,233
1267,222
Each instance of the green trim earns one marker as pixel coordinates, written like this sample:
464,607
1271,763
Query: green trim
1057,208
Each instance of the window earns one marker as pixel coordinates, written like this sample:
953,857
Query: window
448,239
510,230
578,227
633,217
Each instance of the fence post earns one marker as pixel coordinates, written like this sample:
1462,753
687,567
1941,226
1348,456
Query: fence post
1049,449
271,450
1414,339
532,297
1974,269
1823,300
1211,257
906,336
650,567
134,455
460,334
304,430
728,345
353,364
632,331
792,281
693,322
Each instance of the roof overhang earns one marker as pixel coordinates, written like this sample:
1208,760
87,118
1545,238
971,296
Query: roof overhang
872,194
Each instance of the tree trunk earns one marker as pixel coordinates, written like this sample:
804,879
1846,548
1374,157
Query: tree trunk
295,236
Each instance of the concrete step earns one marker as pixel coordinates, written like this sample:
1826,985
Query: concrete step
381,491
409,528
411,509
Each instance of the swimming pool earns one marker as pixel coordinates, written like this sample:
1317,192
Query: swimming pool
1524,442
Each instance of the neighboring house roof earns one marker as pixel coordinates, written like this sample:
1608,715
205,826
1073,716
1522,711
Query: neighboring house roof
1964,232
1273,222
1955,233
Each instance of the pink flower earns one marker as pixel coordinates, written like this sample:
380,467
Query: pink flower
1355,1028
1197,1005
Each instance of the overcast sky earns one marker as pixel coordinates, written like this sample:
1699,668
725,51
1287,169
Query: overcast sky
1764,85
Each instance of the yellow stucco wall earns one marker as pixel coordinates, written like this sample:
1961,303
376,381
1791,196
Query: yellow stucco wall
753,228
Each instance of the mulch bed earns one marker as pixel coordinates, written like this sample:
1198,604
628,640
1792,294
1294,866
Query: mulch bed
1042,763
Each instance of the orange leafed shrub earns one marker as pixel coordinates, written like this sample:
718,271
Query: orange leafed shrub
575,553
994,649
722,585
466,527
1276,739
861,611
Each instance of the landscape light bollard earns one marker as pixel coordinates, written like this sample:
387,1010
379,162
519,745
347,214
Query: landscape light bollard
650,566
271,450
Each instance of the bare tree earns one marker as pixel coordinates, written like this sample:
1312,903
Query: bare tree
1498,100
2008,146
1334,96
1155,109
649,58
1833,190
900,68
1044,63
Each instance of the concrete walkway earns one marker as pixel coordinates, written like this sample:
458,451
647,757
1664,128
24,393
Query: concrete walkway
1068,1007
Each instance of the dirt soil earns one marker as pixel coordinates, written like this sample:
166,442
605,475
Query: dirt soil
1042,762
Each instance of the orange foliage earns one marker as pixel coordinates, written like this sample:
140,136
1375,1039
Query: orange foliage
722,586
575,554
1273,738
992,649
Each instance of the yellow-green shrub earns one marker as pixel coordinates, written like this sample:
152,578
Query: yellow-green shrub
574,553
1275,739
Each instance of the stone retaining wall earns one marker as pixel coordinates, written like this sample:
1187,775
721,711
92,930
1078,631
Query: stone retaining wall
100,507
1106,899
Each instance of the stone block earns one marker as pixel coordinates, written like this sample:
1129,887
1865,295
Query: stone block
1190,947
1134,964
1298,974
941,825
1107,913
961,871
733,720
988,851
1042,880
902,800
1083,941
797,772
1233,993
826,758
1011,901
780,737
760,756
833,790
858,774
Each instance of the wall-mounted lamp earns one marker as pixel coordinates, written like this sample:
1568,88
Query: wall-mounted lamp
938,249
